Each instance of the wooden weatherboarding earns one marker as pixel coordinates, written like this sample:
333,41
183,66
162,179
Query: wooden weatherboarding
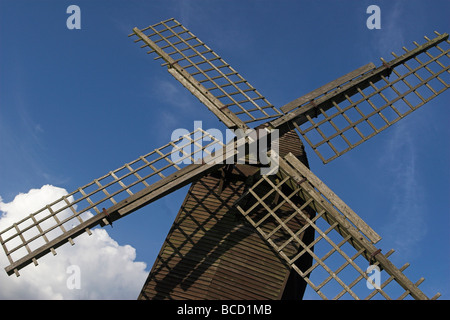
241,234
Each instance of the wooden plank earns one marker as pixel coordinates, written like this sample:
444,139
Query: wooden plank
327,87
334,199
258,260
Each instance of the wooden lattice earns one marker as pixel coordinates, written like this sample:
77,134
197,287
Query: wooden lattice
343,114
206,74
344,246
120,192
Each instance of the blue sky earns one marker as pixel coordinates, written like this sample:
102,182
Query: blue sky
75,104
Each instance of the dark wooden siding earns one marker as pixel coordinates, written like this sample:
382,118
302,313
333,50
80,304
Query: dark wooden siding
211,252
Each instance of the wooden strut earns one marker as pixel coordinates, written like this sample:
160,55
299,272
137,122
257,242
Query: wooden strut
107,217
372,256
388,68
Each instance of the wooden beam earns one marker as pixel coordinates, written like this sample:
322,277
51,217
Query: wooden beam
327,87
175,181
166,186
334,199
205,97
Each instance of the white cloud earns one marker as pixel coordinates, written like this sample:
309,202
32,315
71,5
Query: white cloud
107,270
174,94
391,36
407,223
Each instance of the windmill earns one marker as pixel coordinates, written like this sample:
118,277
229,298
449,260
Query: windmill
251,227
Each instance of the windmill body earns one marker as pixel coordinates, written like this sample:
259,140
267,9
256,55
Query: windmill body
211,252
250,228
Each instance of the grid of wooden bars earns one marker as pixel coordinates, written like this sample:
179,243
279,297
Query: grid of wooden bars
344,244
75,213
182,50
341,122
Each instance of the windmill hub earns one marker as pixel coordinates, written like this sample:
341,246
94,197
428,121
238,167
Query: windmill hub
257,146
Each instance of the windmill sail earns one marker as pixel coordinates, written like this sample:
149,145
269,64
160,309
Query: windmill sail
343,114
343,247
221,88
111,197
